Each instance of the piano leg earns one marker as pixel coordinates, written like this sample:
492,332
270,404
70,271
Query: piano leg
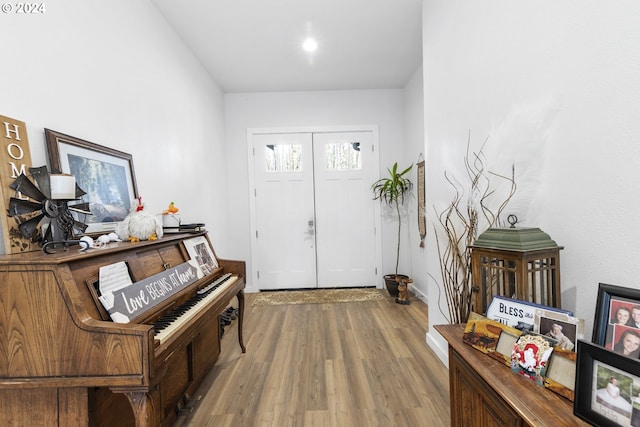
240,296
146,407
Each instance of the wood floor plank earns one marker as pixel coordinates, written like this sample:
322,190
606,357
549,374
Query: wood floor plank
343,364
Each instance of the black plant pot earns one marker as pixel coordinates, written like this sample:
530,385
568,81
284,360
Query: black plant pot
392,285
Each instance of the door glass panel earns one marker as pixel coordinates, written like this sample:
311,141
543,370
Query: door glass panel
343,156
283,157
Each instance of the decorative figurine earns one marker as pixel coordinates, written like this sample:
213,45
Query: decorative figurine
140,225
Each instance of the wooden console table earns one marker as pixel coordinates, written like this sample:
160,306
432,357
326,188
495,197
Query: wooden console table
484,392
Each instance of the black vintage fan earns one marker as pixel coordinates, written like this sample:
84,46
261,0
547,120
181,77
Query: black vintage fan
54,222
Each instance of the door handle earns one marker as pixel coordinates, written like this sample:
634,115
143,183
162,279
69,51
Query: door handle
312,229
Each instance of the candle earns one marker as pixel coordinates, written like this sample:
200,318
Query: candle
63,186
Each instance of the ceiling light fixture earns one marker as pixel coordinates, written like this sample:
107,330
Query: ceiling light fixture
310,45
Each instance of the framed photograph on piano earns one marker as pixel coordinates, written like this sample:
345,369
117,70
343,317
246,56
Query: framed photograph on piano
199,249
105,174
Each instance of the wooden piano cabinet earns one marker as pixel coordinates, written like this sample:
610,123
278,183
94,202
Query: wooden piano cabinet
63,362
46,407
484,392
206,348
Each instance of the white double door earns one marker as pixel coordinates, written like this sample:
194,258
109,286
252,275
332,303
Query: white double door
313,210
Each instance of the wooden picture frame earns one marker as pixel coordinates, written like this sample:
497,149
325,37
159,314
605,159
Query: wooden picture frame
614,304
490,337
106,175
506,341
561,373
607,388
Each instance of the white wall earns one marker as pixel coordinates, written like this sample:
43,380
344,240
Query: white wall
306,109
557,83
117,75
114,73
414,147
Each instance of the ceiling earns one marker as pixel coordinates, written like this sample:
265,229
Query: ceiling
255,45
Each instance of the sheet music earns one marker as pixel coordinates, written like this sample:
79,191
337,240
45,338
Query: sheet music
114,277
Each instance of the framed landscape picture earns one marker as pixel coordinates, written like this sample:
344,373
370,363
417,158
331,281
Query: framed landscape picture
105,174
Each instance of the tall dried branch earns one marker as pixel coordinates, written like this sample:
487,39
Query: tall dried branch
460,225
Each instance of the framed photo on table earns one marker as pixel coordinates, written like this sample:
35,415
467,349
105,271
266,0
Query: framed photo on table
105,174
617,309
530,356
607,390
566,329
490,337
561,373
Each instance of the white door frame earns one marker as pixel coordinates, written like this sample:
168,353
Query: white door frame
315,129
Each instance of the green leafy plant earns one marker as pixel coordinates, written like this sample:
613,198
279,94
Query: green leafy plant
391,190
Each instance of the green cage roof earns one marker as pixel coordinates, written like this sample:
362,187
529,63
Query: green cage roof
515,239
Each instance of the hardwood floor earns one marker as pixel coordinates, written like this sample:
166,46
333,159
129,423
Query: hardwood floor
344,364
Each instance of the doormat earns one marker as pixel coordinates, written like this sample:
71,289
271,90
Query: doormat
318,296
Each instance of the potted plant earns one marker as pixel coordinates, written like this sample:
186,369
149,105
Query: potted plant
391,190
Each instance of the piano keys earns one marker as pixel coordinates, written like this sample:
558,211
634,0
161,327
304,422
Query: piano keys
174,320
60,350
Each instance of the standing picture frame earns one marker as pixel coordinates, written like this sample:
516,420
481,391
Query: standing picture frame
566,329
614,317
607,389
561,373
530,356
200,250
490,337
106,175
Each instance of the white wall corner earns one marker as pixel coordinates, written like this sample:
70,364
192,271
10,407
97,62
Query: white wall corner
441,350
420,294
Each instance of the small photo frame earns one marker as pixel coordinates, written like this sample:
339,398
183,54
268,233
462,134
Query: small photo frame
561,373
607,390
506,341
200,251
617,319
530,356
490,337
561,327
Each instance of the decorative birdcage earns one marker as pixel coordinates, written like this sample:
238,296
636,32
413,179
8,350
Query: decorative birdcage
521,263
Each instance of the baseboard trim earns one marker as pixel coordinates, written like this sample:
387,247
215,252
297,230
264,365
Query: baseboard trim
441,350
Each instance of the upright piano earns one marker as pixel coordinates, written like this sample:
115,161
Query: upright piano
65,362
